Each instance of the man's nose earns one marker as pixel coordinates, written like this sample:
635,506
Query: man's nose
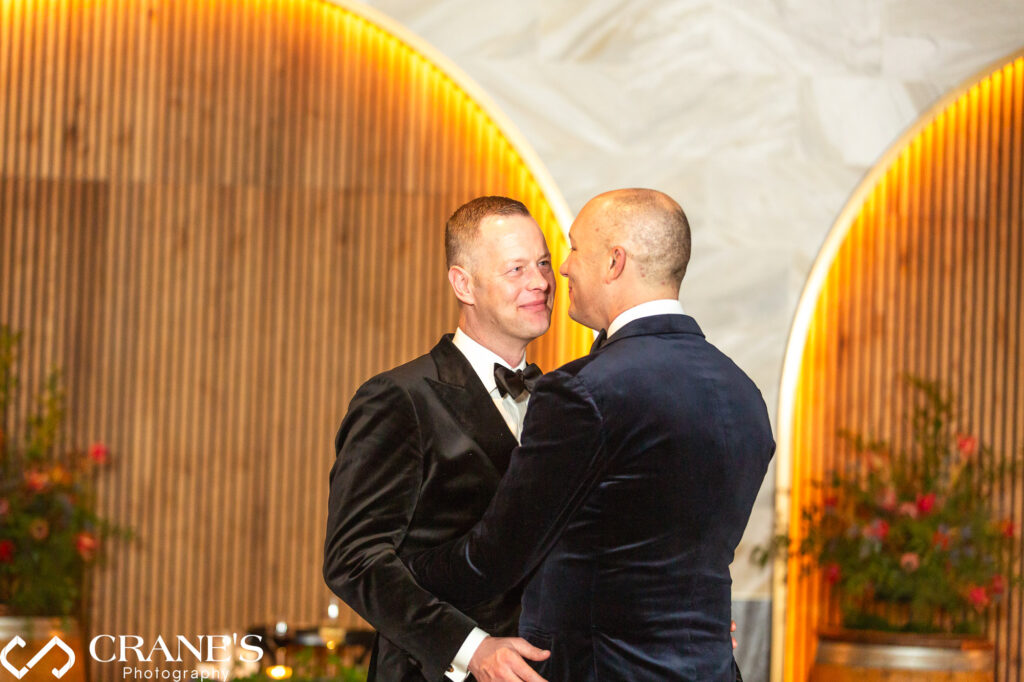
538,280
562,270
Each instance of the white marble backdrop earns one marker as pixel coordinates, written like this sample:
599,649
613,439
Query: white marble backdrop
759,116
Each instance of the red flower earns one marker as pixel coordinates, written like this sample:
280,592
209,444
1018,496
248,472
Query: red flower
831,501
998,584
36,481
925,503
879,529
98,453
967,445
5,506
833,573
6,551
978,597
86,544
940,540
1007,528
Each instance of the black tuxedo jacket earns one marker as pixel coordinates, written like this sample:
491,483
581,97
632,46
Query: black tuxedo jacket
637,472
419,456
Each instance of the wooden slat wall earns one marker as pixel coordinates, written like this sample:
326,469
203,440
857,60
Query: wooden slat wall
220,217
930,280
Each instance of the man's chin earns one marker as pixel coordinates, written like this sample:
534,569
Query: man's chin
536,329
575,317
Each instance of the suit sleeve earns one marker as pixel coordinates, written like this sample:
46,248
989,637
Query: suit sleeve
549,476
374,489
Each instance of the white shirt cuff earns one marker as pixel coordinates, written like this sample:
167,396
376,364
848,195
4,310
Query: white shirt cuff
459,669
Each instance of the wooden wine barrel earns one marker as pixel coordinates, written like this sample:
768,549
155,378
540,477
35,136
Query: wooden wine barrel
22,639
866,656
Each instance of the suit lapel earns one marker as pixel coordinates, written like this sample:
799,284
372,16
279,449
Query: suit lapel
459,389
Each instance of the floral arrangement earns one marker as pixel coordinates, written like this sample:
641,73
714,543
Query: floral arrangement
49,531
914,541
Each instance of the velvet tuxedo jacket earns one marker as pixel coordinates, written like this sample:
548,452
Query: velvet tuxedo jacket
419,456
638,469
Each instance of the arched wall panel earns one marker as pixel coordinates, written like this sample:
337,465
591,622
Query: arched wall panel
923,273
220,217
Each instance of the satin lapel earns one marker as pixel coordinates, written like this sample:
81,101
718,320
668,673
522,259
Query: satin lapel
459,389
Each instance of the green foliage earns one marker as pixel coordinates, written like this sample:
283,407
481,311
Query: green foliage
49,531
914,540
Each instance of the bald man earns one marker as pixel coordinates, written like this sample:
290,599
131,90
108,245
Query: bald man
638,468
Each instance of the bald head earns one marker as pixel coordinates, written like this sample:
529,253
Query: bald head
628,246
651,226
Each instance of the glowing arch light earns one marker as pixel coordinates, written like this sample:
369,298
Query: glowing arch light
921,272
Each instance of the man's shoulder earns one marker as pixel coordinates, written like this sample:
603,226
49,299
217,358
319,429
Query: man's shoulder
573,368
411,373
407,377
643,357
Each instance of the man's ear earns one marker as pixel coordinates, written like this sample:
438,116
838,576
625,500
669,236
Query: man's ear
462,284
616,264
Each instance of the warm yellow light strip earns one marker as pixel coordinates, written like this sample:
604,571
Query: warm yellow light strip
805,326
460,80
566,339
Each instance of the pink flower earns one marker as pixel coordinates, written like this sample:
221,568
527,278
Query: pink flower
925,503
910,562
998,584
36,481
86,544
978,597
833,573
967,445
38,529
909,509
5,506
6,551
99,453
888,500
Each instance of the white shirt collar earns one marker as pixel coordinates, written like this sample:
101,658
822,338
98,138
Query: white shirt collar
661,306
482,359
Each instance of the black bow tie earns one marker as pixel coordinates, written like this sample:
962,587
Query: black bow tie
517,381
602,336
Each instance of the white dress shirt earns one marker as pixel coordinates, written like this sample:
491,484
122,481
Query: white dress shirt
483,361
661,306
514,412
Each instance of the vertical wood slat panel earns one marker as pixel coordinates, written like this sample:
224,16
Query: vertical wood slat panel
220,218
938,246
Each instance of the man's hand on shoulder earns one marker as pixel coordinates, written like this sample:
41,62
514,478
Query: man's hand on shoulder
500,659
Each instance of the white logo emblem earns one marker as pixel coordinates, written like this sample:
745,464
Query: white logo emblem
19,642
